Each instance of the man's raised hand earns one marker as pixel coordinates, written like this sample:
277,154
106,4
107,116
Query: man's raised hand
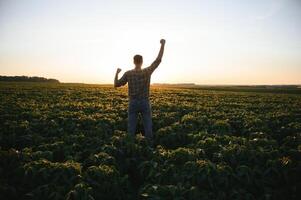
118,70
162,41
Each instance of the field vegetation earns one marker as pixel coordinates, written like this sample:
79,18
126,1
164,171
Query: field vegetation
69,141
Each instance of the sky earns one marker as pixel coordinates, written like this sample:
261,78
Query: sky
207,41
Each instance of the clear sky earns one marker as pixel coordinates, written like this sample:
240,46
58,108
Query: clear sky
207,41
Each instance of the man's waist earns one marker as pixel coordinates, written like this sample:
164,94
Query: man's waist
138,97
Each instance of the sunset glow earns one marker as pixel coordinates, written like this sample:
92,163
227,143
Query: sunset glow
207,42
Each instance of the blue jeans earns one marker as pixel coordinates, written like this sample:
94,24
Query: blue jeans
142,106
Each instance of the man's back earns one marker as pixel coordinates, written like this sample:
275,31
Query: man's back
139,81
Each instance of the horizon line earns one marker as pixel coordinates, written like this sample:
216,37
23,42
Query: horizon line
169,83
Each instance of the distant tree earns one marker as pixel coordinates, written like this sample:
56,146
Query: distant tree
27,79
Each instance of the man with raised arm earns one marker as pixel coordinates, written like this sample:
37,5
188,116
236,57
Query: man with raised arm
138,91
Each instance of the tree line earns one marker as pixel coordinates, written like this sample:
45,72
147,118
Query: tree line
28,79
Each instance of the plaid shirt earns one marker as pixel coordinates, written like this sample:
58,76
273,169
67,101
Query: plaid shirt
138,80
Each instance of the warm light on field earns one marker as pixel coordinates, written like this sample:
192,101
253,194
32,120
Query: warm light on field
70,140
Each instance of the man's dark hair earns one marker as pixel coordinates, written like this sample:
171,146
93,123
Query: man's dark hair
138,59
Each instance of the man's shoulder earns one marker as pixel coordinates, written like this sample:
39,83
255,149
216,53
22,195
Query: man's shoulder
129,72
134,71
147,68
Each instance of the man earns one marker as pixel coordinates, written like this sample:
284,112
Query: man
138,91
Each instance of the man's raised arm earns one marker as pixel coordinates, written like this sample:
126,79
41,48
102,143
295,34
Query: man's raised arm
156,63
122,81
160,55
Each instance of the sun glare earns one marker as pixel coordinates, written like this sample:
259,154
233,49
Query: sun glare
208,42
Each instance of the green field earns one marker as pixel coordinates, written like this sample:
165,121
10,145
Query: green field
68,141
